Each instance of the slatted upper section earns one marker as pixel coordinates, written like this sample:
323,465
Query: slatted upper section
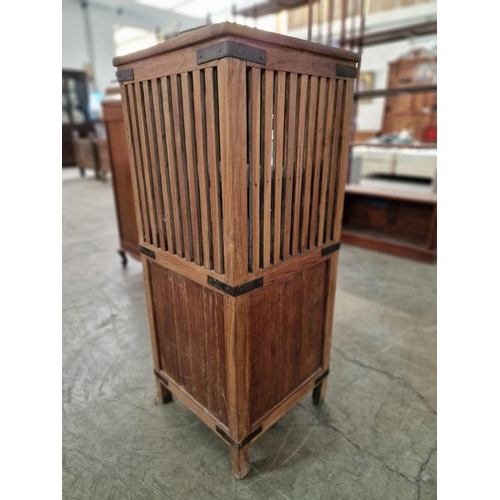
294,126
175,140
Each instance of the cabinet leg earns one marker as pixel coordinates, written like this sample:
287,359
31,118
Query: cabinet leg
164,395
240,461
82,172
319,392
123,255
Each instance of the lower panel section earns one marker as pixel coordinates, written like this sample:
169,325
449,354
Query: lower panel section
286,325
189,320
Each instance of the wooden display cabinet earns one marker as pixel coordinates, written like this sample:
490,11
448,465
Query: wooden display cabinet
238,141
117,150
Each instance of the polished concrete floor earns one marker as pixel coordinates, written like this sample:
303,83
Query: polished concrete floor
373,438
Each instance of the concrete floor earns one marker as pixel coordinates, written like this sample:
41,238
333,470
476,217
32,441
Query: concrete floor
373,438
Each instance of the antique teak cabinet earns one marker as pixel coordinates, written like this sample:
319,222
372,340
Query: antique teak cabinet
238,141
122,177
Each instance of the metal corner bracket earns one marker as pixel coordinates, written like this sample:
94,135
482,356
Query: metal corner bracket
235,291
240,444
330,249
125,75
146,251
345,71
228,48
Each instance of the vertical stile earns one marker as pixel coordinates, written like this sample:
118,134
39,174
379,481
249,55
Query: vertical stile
279,138
154,166
318,165
343,163
301,136
334,158
326,159
172,167
268,152
161,148
311,129
189,146
255,110
212,158
200,123
146,162
181,167
137,168
290,159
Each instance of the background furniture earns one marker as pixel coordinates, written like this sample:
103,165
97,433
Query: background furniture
122,179
240,212
75,112
92,152
399,223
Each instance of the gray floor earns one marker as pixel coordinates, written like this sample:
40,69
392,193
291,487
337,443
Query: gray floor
374,438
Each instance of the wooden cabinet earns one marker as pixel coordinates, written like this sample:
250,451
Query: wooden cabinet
414,112
75,112
238,143
116,148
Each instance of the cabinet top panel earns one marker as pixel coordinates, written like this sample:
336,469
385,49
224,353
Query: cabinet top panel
219,31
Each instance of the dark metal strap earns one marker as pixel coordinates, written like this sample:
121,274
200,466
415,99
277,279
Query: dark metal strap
228,48
161,377
235,291
322,376
240,444
125,75
330,249
346,71
147,251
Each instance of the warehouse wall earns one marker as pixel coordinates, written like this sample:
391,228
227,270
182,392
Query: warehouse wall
75,53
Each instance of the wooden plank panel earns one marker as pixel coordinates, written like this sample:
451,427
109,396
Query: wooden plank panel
318,165
138,165
330,199
181,315
172,168
278,162
154,168
255,110
311,129
313,317
264,356
213,306
301,134
162,296
267,167
180,166
233,141
290,160
162,158
145,164
201,163
326,159
290,344
342,177
212,157
197,385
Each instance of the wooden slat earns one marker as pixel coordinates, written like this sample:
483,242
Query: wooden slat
180,168
301,134
212,157
181,315
154,168
138,162
279,139
335,155
255,101
267,176
311,128
187,105
318,164
342,177
172,168
290,160
326,158
145,164
201,161
160,133
233,141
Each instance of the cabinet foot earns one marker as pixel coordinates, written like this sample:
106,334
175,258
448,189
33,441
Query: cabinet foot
123,255
240,461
